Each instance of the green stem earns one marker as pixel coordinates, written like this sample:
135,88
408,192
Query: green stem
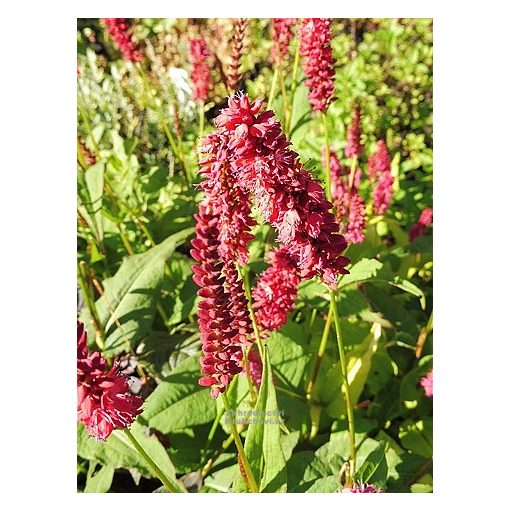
347,395
320,355
242,454
273,88
169,484
247,291
328,163
293,87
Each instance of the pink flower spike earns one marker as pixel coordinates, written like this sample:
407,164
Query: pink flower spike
264,167
275,294
281,34
354,147
200,72
379,162
121,34
318,61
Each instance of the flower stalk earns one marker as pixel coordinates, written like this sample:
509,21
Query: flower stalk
252,484
345,381
169,484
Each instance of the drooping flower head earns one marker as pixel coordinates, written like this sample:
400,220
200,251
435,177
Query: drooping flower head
362,487
284,193
281,34
318,62
275,294
104,399
426,384
420,228
354,147
200,72
120,32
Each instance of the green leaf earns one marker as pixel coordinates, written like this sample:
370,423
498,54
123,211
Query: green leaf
101,481
118,452
90,192
417,436
374,469
359,361
410,288
289,442
392,310
126,310
365,269
289,352
301,112
178,401
263,448
328,484
372,270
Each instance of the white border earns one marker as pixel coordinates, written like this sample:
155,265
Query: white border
38,247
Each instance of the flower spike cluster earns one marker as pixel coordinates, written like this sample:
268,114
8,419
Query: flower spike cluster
318,62
379,169
419,229
379,162
219,333
350,206
354,146
281,34
232,202
284,193
104,399
275,294
223,234
200,72
121,34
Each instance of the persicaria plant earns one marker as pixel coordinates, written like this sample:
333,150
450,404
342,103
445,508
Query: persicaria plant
254,255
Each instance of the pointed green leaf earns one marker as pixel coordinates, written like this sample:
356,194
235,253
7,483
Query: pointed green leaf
100,481
263,444
358,367
126,310
374,469
178,401
90,192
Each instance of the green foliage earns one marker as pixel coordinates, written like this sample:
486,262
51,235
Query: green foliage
137,195
263,448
